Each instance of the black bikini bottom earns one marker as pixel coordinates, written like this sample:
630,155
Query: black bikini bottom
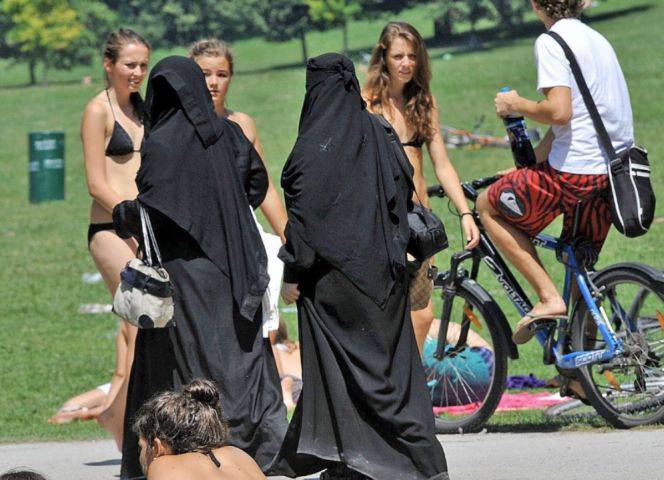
98,227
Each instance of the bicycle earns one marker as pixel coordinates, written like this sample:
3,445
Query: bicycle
618,358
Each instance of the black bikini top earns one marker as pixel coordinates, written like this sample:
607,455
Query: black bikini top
416,142
120,142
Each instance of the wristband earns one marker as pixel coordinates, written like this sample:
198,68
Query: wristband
466,213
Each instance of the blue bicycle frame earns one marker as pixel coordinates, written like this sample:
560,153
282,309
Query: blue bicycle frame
573,272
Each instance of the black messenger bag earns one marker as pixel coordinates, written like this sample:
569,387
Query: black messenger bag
427,233
632,199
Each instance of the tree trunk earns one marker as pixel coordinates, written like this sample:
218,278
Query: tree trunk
32,65
442,27
44,73
344,32
303,42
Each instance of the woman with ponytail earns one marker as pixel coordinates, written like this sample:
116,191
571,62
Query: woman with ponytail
112,134
185,435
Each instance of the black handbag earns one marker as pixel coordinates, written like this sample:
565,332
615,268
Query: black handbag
427,233
632,199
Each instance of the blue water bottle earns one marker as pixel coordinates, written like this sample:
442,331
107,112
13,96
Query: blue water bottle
522,149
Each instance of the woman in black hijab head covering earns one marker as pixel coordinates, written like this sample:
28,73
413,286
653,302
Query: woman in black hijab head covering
364,410
198,192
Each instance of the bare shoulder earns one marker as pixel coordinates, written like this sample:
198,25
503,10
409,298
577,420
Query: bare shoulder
97,110
369,101
169,467
97,106
246,123
235,459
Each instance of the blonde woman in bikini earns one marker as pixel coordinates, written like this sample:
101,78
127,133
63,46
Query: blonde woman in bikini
112,132
216,60
397,87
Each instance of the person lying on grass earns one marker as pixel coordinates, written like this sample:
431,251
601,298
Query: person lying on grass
185,435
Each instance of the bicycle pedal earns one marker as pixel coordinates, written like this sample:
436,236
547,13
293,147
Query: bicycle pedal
547,326
548,356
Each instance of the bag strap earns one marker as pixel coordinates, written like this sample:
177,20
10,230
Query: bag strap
148,237
587,97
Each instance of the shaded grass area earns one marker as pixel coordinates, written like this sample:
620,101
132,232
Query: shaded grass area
49,352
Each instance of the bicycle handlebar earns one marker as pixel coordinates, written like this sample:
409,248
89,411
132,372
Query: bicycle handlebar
468,187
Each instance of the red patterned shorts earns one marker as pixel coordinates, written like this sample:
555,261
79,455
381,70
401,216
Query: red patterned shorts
531,198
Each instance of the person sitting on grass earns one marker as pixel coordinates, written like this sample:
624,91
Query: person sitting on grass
21,475
289,364
184,435
102,403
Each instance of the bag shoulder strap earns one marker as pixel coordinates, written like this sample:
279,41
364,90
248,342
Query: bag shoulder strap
587,97
149,239
401,155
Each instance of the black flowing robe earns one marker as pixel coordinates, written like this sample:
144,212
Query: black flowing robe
197,180
364,402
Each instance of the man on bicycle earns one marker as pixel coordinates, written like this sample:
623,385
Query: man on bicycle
571,164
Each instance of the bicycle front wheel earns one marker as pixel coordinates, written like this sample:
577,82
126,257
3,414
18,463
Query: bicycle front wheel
628,390
467,384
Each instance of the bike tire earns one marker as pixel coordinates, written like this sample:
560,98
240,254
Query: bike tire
473,295
607,400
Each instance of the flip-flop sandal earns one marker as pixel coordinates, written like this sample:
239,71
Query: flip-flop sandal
527,326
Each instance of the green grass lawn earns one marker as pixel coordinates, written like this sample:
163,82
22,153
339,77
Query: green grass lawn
49,352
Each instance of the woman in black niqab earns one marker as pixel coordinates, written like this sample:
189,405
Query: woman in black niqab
198,192
364,410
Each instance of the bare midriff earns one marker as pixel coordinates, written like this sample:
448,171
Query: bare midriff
121,176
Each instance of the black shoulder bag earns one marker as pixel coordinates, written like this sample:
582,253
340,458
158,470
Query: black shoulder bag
427,232
632,198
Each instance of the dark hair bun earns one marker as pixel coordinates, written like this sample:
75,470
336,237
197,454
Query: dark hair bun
204,391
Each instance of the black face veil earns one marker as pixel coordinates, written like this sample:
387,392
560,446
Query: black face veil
188,173
340,184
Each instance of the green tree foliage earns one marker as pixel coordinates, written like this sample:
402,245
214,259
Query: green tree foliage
448,13
287,19
338,13
39,30
98,21
173,23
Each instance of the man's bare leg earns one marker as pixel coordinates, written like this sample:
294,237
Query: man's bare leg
518,249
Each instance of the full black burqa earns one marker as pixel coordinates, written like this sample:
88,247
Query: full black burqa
364,403
198,190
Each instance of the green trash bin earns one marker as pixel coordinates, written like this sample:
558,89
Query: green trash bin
46,166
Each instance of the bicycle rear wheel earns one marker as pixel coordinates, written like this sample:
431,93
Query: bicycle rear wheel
628,390
468,383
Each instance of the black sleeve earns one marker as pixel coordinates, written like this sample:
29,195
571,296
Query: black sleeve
249,164
297,256
257,181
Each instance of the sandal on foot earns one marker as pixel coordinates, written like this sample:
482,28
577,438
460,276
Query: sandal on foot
527,326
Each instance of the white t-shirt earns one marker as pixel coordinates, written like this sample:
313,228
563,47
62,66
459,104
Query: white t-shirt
576,148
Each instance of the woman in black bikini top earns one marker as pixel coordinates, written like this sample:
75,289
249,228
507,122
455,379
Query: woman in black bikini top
397,87
120,143
111,132
178,430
